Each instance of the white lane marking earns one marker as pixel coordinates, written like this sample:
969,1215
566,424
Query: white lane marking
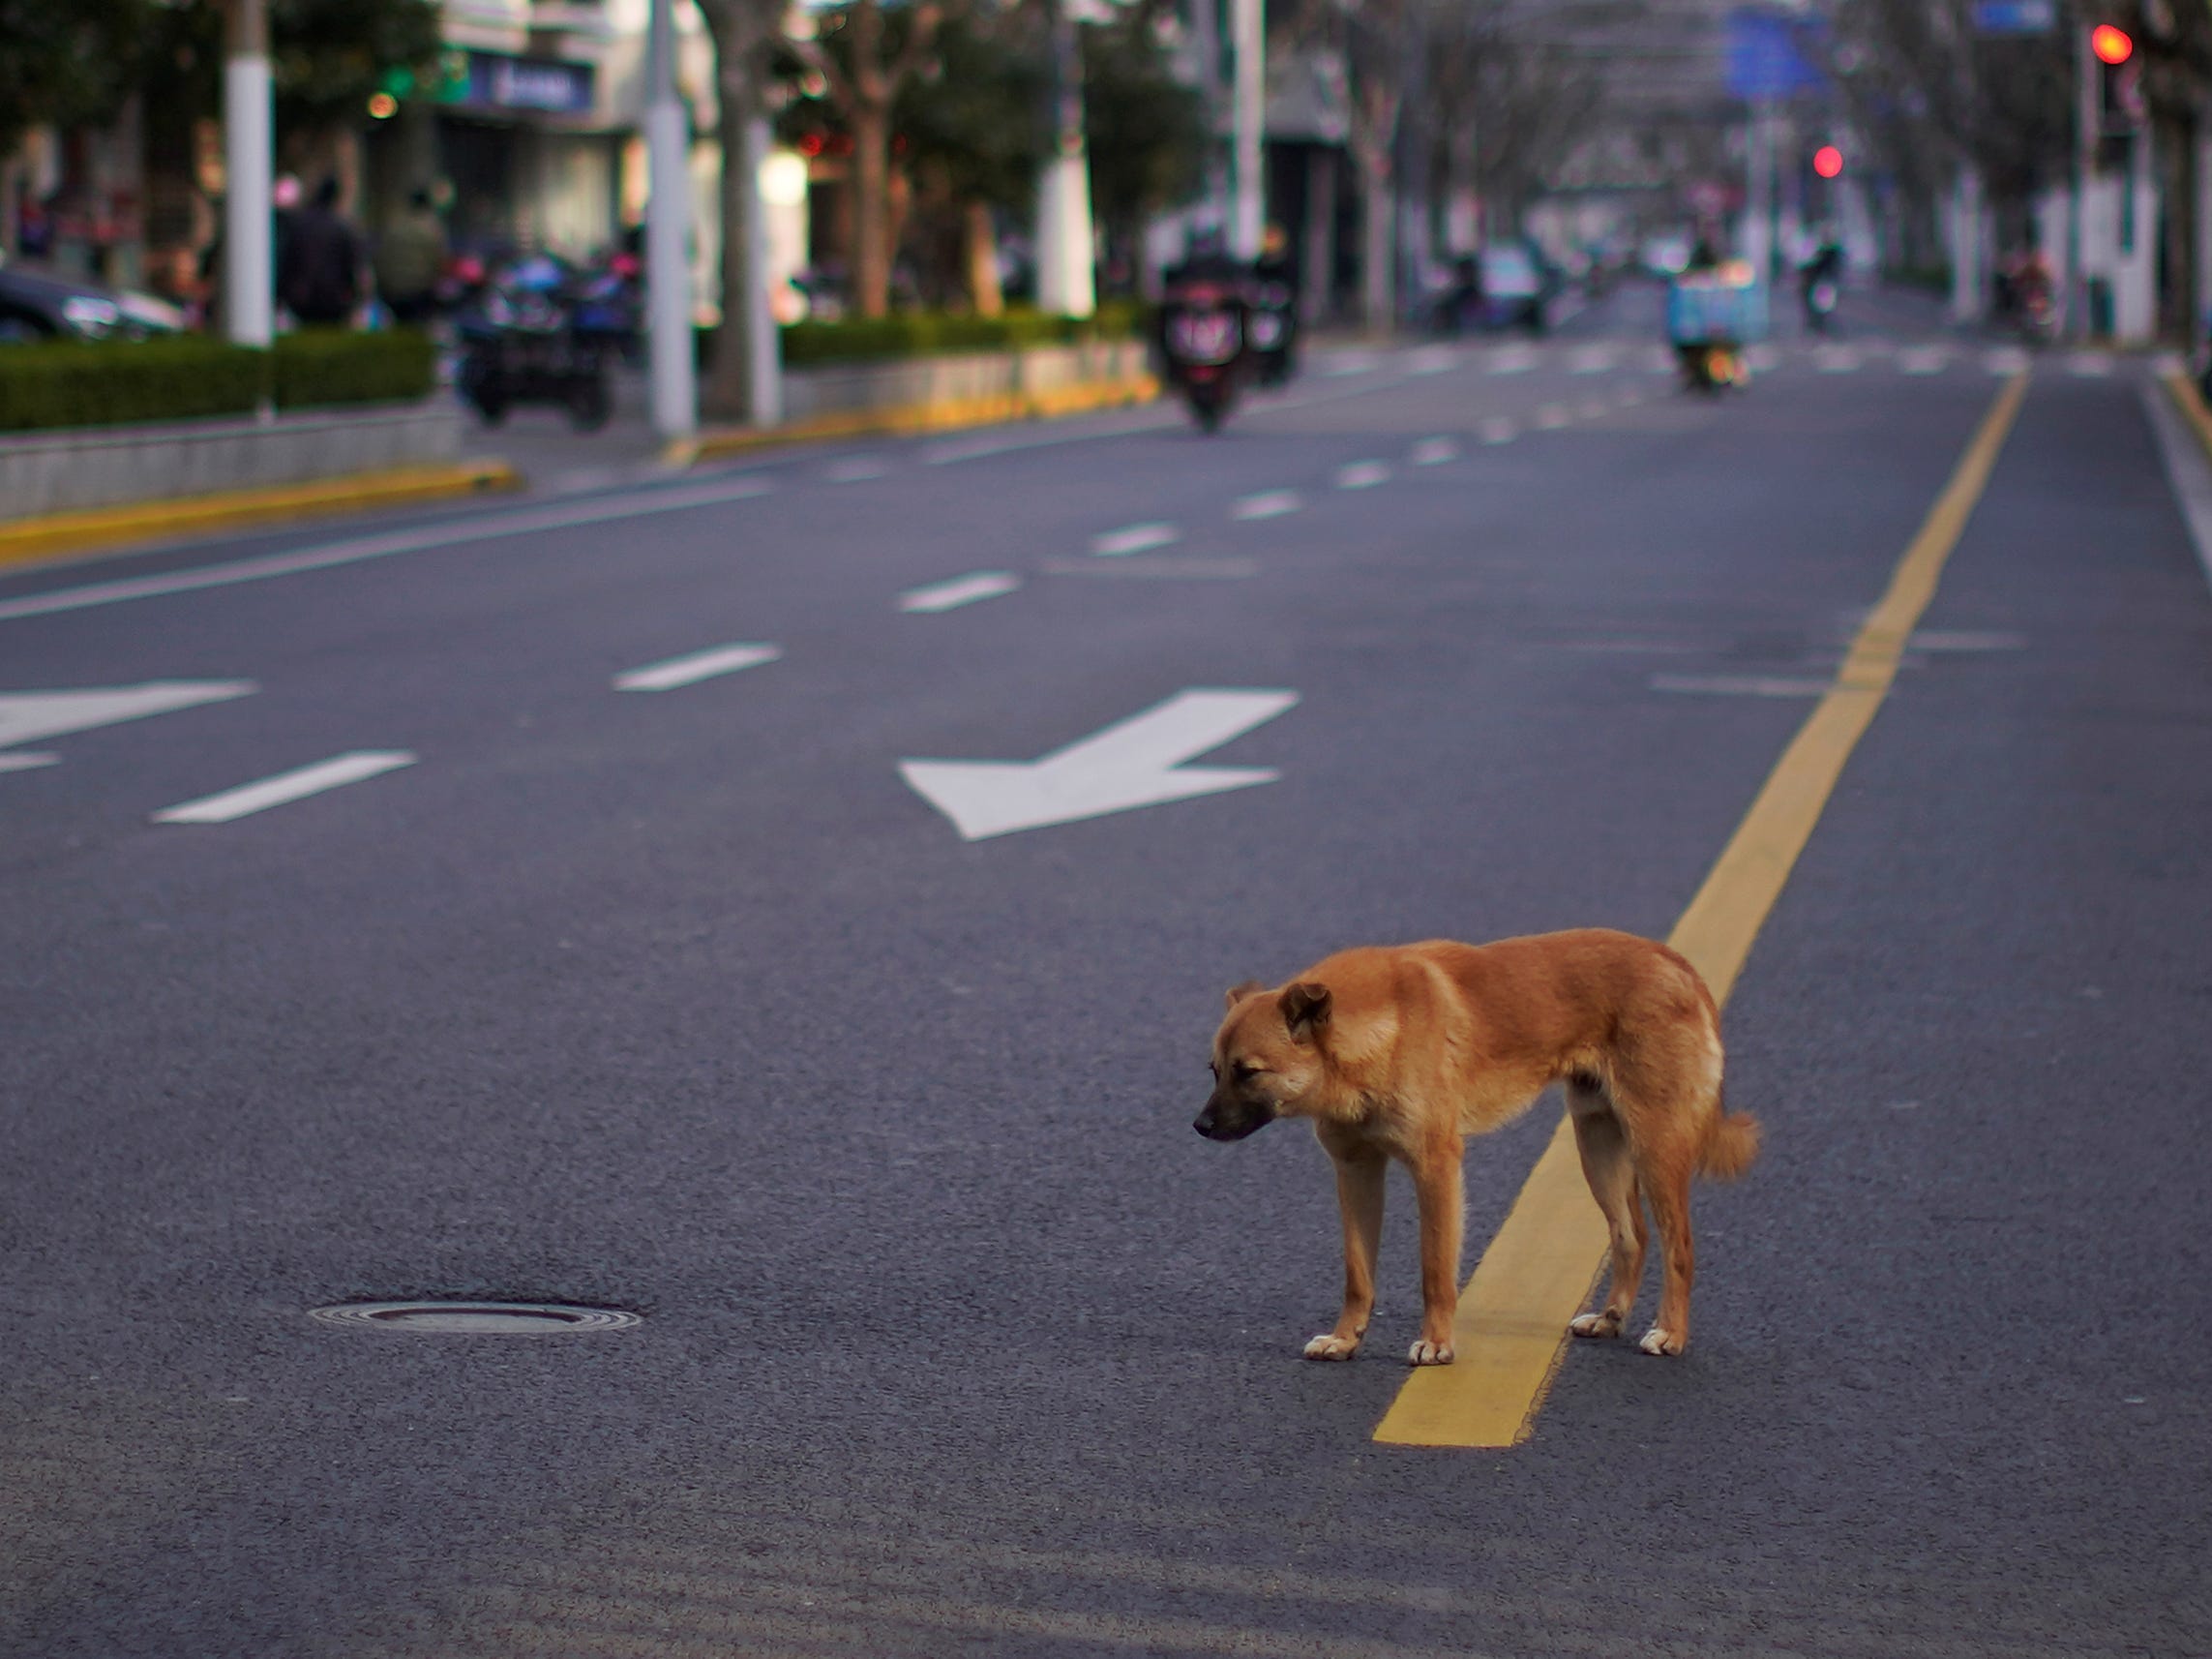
1552,416
1433,452
854,469
1924,359
1965,640
491,527
1133,763
25,715
1431,360
690,670
333,774
2187,469
960,590
1498,430
1363,474
1835,360
1133,538
1739,685
27,763
1155,569
2007,360
2089,365
1590,359
1512,360
1266,504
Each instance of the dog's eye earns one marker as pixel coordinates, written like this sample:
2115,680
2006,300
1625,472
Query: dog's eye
1246,1071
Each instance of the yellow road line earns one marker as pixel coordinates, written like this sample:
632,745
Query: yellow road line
99,529
2190,402
1511,1329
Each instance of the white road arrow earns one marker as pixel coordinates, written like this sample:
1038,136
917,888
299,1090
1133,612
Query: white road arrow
27,715
1136,762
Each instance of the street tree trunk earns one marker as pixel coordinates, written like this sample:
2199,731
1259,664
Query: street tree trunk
982,250
742,30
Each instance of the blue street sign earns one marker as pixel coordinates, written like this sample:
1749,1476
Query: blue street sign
1767,56
2015,16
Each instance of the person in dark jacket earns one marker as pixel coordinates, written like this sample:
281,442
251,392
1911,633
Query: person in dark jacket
319,270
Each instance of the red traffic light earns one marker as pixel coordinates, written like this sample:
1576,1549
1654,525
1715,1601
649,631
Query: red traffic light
1828,162
2111,46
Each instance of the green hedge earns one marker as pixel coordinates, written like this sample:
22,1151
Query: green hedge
929,334
119,382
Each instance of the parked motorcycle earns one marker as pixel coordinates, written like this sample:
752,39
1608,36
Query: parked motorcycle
1204,340
526,338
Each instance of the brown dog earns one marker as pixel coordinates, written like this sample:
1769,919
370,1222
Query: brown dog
1404,1051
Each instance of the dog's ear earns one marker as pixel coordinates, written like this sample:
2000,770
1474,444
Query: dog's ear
1237,993
1306,1008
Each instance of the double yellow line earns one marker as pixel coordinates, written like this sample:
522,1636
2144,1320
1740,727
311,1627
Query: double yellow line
1511,1331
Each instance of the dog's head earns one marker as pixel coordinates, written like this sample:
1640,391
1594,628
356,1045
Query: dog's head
1266,1057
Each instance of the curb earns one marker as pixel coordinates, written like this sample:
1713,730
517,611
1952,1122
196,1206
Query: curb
99,530
2190,402
946,414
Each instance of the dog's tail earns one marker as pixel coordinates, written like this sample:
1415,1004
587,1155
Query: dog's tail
1731,1142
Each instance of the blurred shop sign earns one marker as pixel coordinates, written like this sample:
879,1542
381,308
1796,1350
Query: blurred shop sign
2015,16
1771,54
493,80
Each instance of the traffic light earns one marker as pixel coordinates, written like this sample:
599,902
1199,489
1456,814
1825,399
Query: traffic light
2119,79
1828,162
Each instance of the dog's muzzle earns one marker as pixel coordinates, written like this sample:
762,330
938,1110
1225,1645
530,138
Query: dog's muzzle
1230,1122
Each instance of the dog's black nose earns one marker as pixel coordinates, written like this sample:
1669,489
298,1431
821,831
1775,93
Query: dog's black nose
1203,1122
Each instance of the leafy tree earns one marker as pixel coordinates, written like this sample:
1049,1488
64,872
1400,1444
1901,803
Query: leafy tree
1146,131
66,61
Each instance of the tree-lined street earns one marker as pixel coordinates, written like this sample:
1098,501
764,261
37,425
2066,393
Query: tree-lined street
657,978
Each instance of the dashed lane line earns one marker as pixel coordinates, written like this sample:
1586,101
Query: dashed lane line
1498,428
248,798
1433,452
1266,504
690,670
960,590
1510,1328
1133,538
1363,474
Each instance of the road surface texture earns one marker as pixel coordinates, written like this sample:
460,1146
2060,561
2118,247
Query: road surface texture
611,966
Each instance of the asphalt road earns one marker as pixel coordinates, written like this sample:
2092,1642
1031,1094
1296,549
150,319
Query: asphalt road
956,1339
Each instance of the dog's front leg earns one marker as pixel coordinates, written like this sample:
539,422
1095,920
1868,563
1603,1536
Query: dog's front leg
1439,1188
1360,1174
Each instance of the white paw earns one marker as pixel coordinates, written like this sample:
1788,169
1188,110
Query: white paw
1430,1353
1327,1346
1660,1341
1594,1324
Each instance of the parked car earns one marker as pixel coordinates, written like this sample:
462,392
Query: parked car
1515,288
38,302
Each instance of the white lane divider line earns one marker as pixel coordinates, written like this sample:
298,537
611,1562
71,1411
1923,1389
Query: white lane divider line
1552,416
1266,504
1924,359
489,527
1431,360
960,590
28,716
334,773
854,469
1497,430
1739,685
1133,538
1363,474
1834,360
1433,452
697,666
26,763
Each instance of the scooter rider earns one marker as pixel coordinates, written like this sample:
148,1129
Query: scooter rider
1822,277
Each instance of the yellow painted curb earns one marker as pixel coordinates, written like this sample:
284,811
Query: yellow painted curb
98,530
1511,1329
942,414
2190,402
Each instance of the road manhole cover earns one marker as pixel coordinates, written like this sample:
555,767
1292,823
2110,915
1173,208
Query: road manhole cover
485,1318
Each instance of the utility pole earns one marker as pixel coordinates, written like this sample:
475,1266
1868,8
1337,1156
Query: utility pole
1065,284
249,282
672,364
1248,37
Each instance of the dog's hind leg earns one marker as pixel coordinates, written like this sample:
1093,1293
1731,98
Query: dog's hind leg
1359,1171
1612,1178
1666,1171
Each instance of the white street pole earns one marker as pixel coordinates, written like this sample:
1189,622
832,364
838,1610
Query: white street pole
1064,238
1247,34
764,360
249,283
667,237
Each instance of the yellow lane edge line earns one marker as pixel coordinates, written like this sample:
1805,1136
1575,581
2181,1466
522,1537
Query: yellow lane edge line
1511,1329
2190,402
99,530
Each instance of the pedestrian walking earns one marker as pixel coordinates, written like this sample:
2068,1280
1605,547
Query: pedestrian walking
319,270
410,258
